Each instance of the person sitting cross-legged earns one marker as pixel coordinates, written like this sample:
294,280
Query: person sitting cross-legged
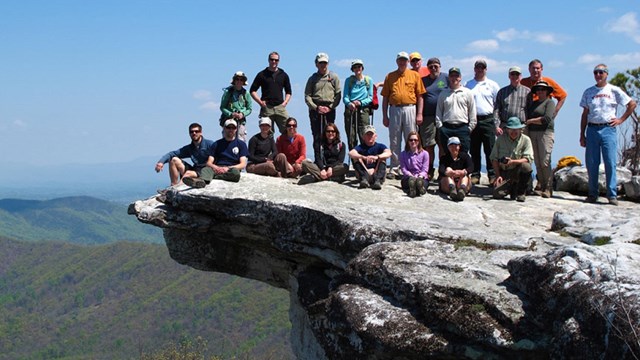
330,165
414,165
511,158
455,168
228,157
262,151
369,160
292,150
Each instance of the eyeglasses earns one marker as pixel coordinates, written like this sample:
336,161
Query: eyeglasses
230,127
598,72
194,131
413,140
272,59
330,131
415,60
292,126
514,74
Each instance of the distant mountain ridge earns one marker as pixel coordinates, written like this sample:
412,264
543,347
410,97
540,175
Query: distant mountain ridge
76,219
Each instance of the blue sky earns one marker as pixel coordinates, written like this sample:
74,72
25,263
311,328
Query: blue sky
112,81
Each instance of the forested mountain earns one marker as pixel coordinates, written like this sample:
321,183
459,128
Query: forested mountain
65,301
80,219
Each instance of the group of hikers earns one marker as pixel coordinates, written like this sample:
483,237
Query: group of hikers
514,125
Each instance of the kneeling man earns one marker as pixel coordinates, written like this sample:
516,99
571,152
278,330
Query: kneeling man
369,160
511,158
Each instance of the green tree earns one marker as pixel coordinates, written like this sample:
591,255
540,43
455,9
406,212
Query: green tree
629,146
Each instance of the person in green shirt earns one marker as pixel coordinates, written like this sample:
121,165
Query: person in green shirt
236,104
511,158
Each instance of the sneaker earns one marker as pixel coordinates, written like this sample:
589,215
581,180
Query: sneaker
194,182
376,185
412,187
475,178
591,199
613,201
461,194
363,184
520,198
420,187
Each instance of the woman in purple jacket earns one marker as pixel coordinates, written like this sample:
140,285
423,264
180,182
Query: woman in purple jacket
414,165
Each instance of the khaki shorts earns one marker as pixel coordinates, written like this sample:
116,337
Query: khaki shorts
428,130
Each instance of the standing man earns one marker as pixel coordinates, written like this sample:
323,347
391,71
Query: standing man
322,95
511,100
273,81
197,151
435,83
456,112
598,130
484,92
535,72
415,60
402,90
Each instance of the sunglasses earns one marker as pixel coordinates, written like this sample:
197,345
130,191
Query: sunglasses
598,72
194,131
330,131
230,127
413,140
415,60
276,60
292,126
514,74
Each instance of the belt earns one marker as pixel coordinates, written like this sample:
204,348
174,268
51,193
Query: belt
403,105
598,124
484,117
453,126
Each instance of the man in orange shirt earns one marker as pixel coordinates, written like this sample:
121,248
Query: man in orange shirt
401,106
535,70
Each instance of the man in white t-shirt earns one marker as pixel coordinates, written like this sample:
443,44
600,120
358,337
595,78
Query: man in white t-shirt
598,130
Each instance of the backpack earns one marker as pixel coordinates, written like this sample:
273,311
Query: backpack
375,104
567,161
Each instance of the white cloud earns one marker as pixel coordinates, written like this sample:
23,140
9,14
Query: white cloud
210,106
19,123
202,95
343,63
620,62
483,45
512,34
626,24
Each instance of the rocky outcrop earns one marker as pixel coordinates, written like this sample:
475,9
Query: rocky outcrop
379,275
575,179
632,189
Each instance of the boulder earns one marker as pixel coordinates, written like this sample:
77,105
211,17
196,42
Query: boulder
632,189
379,275
574,179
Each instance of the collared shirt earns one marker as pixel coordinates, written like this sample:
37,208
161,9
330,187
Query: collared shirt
519,148
414,163
558,92
272,84
484,94
402,88
456,107
323,89
199,154
603,102
510,101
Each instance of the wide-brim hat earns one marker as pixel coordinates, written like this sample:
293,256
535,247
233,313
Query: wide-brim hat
542,84
514,123
239,75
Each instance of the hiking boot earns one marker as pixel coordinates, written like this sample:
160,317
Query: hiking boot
363,184
307,179
461,194
475,178
520,198
453,194
591,199
500,191
412,187
376,185
545,194
613,201
391,175
420,187
194,182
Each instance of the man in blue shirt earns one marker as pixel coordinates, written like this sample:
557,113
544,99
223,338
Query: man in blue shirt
227,158
370,160
197,151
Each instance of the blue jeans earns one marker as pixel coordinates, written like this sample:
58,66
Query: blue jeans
603,138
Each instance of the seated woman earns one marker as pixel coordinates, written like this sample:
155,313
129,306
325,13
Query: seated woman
262,151
330,165
539,123
454,171
292,150
414,165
